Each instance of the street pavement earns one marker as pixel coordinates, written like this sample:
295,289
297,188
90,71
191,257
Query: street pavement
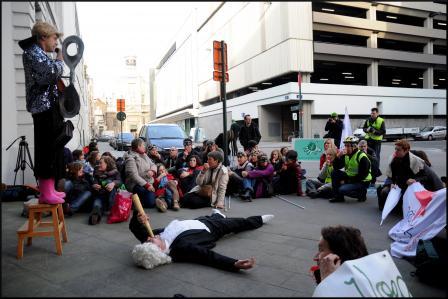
96,261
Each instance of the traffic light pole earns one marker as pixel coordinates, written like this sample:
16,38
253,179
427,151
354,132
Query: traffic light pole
224,99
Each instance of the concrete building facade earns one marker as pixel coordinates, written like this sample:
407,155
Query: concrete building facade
358,55
17,20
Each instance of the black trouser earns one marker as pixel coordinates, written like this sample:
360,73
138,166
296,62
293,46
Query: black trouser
193,201
220,226
48,159
376,146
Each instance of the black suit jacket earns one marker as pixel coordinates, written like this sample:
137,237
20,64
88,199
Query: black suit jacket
192,246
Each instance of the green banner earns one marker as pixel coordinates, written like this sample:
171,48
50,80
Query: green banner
308,149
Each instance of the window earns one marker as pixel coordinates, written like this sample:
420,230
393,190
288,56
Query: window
339,9
439,49
339,38
399,19
439,79
438,24
393,76
400,45
332,72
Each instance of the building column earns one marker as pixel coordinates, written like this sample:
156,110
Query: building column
372,73
428,78
371,13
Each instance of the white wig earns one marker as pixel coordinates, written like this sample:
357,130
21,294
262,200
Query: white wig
148,255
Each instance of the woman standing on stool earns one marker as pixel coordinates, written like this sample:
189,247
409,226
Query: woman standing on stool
41,76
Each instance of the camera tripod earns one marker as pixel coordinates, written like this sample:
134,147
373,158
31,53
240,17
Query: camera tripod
22,154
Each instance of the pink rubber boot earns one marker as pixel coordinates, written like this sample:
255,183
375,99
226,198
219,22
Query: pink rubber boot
46,196
57,193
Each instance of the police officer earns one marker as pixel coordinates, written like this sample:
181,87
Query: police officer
356,178
375,128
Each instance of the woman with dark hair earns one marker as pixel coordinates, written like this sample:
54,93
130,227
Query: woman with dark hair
337,245
187,175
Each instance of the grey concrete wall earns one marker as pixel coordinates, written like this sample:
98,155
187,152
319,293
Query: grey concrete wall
213,124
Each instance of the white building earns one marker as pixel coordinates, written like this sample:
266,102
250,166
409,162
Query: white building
358,55
17,20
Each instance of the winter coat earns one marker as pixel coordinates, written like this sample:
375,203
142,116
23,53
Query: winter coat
137,167
41,75
250,132
161,185
218,178
103,178
80,185
189,182
290,180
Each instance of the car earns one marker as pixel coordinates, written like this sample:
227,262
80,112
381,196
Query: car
123,141
163,136
359,133
106,136
113,142
431,133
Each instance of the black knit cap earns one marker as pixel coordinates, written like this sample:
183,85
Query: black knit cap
291,155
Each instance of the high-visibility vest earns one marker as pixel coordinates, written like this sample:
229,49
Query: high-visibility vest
328,174
352,165
377,125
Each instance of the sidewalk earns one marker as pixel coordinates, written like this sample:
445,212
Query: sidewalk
96,261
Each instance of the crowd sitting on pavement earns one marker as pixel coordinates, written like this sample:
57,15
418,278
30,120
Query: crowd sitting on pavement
198,177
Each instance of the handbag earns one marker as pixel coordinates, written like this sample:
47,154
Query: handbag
65,135
206,191
121,210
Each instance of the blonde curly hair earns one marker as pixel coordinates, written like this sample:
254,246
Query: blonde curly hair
44,29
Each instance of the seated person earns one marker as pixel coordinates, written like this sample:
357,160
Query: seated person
154,155
289,178
283,151
210,147
192,240
374,164
77,189
356,178
181,161
252,145
167,195
213,174
321,187
337,245
258,182
404,169
89,166
235,184
139,173
276,160
109,154
187,176
328,144
78,156
106,180
170,162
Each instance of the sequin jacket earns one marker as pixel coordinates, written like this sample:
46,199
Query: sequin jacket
41,75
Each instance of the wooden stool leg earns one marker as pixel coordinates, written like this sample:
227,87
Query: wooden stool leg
62,219
57,233
30,227
20,247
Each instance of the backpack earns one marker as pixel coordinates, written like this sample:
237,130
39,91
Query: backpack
430,261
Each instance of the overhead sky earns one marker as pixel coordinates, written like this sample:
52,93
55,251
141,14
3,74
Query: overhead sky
112,30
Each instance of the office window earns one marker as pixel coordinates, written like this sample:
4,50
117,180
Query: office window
339,38
400,45
393,76
439,49
339,9
439,24
399,19
331,72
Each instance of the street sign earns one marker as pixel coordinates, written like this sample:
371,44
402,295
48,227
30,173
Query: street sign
121,116
294,116
217,59
295,107
217,76
120,105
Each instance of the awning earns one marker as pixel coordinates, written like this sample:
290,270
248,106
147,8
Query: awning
177,116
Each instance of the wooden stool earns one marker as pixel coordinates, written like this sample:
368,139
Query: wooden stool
34,227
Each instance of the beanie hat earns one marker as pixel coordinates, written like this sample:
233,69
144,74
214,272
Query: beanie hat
291,155
334,114
217,155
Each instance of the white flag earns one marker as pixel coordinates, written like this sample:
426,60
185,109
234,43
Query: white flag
347,127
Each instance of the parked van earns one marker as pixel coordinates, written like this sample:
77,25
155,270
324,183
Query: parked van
163,136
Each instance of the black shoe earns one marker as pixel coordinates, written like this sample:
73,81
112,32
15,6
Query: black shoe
246,195
337,199
363,196
95,217
312,194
